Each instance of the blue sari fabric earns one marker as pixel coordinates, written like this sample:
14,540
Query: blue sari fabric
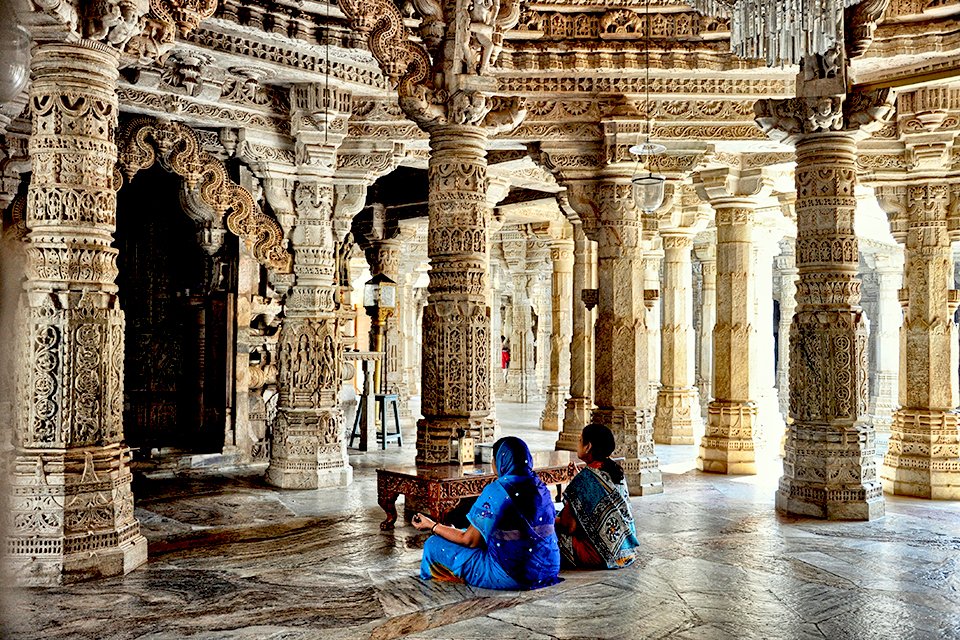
515,515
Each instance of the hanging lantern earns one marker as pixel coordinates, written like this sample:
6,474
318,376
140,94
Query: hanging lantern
647,187
14,59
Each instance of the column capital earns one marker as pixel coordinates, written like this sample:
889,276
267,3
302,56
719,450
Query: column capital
858,113
723,185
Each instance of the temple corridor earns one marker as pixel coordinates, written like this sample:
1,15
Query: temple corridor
232,558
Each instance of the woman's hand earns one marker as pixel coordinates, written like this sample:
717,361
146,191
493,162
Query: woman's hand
422,522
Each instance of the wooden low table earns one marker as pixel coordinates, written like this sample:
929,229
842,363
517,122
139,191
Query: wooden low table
439,489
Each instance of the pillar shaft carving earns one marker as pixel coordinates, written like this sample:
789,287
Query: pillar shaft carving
579,405
307,448
561,322
72,507
456,321
923,458
678,401
622,365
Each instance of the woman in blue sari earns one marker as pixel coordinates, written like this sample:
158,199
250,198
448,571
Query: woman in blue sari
595,528
510,543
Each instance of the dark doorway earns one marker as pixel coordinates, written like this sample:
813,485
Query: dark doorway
176,300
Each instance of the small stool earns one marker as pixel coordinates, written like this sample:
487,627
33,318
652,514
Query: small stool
383,401
384,436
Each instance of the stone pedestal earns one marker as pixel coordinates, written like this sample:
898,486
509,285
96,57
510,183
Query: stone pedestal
561,297
622,363
579,405
70,498
923,456
456,320
678,401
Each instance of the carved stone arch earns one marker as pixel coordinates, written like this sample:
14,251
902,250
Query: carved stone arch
143,141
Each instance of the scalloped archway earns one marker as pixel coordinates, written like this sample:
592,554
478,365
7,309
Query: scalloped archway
142,139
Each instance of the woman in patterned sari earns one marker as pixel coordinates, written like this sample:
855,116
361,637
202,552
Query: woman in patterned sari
595,528
510,543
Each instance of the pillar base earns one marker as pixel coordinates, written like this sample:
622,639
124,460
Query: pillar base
923,459
434,435
728,446
576,415
307,451
552,416
829,472
678,415
72,517
632,428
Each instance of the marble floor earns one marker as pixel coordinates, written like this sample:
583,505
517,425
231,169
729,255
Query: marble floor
233,558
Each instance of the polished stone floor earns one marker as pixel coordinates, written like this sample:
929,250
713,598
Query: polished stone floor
233,558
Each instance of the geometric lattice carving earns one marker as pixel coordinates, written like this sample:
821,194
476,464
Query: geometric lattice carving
143,141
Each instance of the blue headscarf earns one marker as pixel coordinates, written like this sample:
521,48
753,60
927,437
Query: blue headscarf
516,517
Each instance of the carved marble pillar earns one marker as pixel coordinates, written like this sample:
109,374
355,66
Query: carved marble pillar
828,469
71,507
707,254
678,401
622,363
728,446
923,457
787,270
542,307
561,297
456,321
770,425
653,259
579,405
521,383
307,447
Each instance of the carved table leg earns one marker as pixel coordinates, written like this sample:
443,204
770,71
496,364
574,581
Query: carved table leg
388,502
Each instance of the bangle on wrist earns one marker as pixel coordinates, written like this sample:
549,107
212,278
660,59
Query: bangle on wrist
433,529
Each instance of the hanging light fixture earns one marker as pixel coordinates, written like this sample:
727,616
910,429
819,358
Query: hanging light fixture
780,31
647,188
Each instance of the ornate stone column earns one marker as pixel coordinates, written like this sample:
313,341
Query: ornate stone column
678,401
727,446
707,255
456,321
307,447
652,261
561,297
71,504
579,405
521,376
829,469
886,328
622,364
787,270
923,457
